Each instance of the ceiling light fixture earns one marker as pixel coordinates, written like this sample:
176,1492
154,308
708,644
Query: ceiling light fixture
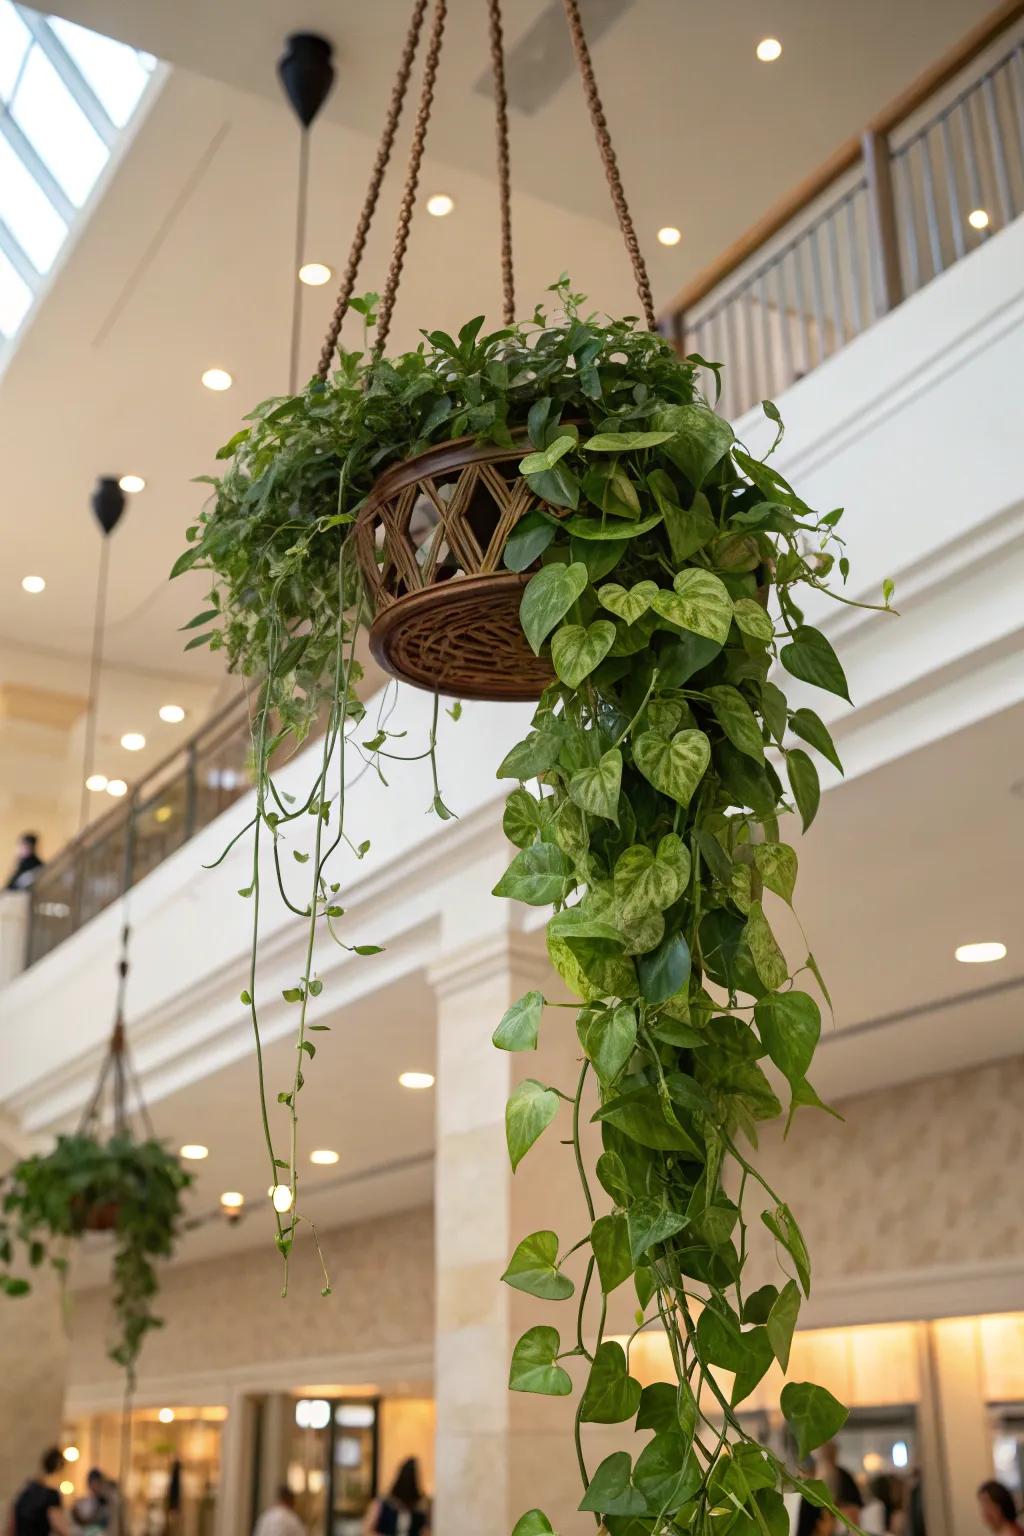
231,1200
314,274
96,782
217,379
978,218
166,1415
282,1197
323,1156
416,1080
980,954
116,787
440,205
193,1151
33,584
132,484
769,49
71,1453
669,235
171,714
133,741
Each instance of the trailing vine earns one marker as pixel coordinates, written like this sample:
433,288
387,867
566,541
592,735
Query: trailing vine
647,811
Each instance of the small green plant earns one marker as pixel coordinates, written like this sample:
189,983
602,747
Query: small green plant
646,809
131,1188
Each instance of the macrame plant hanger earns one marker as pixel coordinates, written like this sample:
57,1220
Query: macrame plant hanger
457,637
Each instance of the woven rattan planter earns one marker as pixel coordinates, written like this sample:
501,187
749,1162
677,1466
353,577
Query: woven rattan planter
429,540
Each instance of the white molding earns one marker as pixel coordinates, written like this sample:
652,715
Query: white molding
916,1295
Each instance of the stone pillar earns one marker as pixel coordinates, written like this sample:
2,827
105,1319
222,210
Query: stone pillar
238,1437
34,1356
14,907
498,1453
966,1438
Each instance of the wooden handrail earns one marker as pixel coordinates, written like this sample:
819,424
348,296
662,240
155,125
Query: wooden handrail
844,158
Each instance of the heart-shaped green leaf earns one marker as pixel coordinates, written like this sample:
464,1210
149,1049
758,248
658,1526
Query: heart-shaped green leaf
646,881
610,1491
812,1413
624,442
666,1473
789,1024
699,602
810,657
814,731
674,767
609,1238
611,1040
752,619
651,1222
782,1322
628,606
547,599
804,782
537,875
536,753
533,1367
528,540
611,1395
534,1268
662,973
769,961
519,1025
776,864
577,649
596,789
548,457
737,720
534,1523
699,439
528,1113
583,527
781,1223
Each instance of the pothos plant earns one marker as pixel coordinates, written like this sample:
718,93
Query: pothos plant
647,811
128,1187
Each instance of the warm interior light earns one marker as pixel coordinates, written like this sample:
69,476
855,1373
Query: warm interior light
440,204
217,378
314,274
416,1080
96,782
231,1200
33,584
193,1151
769,49
281,1195
669,235
132,484
900,1454
323,1155
67,1488
978,218
163,813
133,741
166,1415
71,1453
117,788
980,954
171,714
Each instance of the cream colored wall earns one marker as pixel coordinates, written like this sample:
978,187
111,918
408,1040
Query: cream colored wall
227,1313
406,1429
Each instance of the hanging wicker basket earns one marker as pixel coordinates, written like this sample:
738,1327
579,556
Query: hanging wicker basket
430,540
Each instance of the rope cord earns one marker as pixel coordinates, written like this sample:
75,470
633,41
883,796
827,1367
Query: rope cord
608,160
419,139
504,173
380,165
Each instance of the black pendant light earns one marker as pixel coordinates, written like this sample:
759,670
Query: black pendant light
108,502
306,72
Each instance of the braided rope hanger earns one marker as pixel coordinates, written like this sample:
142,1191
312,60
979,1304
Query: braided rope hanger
407,204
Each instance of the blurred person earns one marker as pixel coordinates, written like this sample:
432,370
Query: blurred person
94,1511
404,1509
812,1521
38,1510
280,1519
28,863
840,1483
998,1510
882,1509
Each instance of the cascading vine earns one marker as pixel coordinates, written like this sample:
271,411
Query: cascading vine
647,811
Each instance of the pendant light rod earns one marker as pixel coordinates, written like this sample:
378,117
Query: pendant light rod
108,504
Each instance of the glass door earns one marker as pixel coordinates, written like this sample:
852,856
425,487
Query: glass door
353,1464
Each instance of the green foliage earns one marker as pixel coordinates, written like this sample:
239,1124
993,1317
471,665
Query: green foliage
133,1187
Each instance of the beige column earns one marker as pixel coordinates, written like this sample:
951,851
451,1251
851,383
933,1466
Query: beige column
962,1417
277,1423
498,1453
237,1446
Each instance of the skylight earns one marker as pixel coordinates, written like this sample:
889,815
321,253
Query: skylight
66,95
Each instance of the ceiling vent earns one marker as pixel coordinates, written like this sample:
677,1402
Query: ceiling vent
543,59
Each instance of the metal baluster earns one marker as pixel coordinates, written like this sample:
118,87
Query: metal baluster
766,333
931,212
813,235
1016,83
748,343
804,318
835,276
971,157
949,155
732,358
910,222
995,131
855,277
787,340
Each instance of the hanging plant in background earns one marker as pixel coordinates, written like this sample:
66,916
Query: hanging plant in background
555,509
102,1178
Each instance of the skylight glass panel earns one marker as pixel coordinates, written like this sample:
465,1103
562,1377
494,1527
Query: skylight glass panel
57,128
28,213
117,74
14,42
15,298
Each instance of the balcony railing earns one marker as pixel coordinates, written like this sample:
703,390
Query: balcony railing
929,180
174,800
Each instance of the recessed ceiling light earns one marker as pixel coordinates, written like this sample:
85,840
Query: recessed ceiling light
980,954
96,782
133,741
978,218
166,1415
172,714
314,274
281,1195
217,378
33,584
440,204
416,1080
323,1155
193,1151
117,788
71,1453
132,484
231,1200
669,235
769,49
